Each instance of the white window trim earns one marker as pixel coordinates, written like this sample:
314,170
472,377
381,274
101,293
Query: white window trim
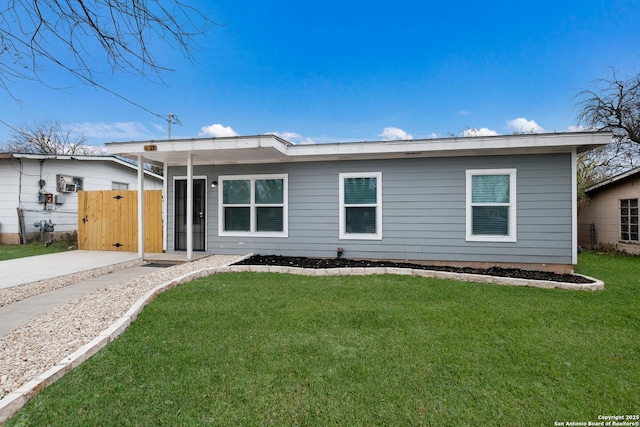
253,206
342,217
512,236
620,239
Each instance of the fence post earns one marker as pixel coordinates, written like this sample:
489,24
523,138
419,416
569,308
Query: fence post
21,229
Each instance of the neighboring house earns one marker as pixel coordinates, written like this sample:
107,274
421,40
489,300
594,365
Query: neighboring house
43,188
501,200
611,216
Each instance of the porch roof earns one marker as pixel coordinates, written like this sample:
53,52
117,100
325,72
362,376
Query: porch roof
272,149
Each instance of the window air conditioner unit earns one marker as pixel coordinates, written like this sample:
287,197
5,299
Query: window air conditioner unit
68,184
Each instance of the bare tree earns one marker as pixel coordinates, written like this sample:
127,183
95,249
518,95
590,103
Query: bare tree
614,106
81,35
48,138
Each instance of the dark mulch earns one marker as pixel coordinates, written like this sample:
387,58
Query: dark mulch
303,262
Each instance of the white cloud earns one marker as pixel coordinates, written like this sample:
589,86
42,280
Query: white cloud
522,125
113,131
306,140
217,130
579,128
479,132
394,134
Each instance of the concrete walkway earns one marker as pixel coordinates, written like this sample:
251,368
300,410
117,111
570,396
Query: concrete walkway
18,314
18,271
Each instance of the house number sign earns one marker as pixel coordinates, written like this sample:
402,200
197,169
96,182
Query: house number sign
150,148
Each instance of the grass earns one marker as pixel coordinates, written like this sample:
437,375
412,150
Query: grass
31,249
266,349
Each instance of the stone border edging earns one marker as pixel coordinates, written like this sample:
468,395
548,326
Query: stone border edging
597,285
15,400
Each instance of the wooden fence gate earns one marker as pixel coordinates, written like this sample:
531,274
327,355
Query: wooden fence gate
108,220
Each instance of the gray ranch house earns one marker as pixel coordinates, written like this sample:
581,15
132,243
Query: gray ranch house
480,201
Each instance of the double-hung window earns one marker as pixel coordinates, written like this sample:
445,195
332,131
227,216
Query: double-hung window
256,205
360,205
629,220
491,205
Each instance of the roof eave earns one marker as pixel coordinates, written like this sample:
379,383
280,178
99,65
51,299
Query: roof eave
269,148
613,180
110,158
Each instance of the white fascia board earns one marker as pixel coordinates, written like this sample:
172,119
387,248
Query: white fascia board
200,144
456,146
232,150
276,149
37,156
219,144
59,157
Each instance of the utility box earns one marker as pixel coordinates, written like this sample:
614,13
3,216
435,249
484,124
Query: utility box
46,198
60,199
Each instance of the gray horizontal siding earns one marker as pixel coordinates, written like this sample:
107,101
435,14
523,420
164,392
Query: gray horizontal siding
423,210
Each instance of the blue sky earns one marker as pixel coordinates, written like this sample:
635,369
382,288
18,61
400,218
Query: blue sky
336,71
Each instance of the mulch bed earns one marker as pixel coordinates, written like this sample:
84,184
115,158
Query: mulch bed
303,262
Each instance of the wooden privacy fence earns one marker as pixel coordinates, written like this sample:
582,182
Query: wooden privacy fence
108,220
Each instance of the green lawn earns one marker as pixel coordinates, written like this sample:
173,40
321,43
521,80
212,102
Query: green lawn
31,249
267,349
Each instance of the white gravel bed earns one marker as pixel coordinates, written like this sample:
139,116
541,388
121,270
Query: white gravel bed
18,293
34,348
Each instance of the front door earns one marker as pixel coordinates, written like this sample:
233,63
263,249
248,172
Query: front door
199,214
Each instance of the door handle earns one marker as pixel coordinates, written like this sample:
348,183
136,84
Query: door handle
201,214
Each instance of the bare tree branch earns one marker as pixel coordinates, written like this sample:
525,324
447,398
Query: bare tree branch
48,138
614,106
68,33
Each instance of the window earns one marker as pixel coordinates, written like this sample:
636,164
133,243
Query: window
491,205
361,206
119,185
253,205
629,220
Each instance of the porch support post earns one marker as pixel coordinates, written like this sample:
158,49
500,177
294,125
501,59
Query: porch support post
140,207
574,207
165,205
189,207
